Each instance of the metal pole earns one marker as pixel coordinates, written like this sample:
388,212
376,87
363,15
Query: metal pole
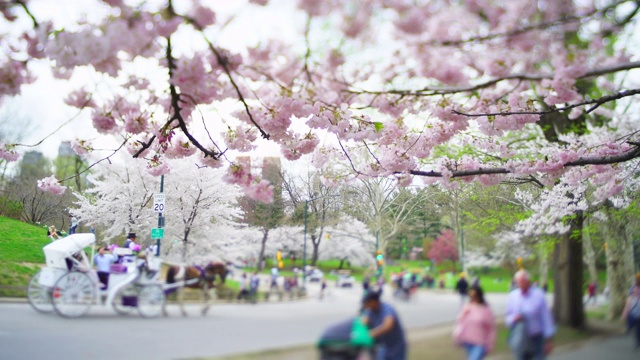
462,247
160,222
304,248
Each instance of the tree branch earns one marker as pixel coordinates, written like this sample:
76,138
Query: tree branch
433,91
175,104
225,66
26,9
582,161
597,103
560,21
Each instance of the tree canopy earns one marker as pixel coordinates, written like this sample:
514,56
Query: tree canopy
395,83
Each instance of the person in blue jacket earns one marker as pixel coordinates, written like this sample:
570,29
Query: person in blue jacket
385,327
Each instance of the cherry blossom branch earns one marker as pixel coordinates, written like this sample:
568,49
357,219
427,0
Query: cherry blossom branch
204,123
525,29
522,30
145,146
526,180
307,54
346,153
429,91
224,62
597,103
56,130
582,161
26,9
175,104
108,158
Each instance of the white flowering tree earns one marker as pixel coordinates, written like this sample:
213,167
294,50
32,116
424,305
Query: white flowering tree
562,211
198,204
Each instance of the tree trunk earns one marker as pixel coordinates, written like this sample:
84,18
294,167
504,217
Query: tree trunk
568,308
589,253
263,245
619,276
544,267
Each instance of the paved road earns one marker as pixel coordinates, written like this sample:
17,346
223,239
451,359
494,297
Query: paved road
228,329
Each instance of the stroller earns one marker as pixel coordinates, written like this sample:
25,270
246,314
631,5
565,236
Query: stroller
348,340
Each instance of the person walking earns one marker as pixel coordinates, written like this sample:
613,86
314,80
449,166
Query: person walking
244,287
103,263
73,225
529,319
462,286
475,328
385,327
631,313
592,290
323,288
253,287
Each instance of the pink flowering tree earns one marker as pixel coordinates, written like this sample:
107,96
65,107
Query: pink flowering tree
444,247
472,90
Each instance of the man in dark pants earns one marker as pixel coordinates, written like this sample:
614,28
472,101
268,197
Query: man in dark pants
103,264
385,327
462,286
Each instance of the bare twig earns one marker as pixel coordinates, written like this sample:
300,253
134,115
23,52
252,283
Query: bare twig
108,159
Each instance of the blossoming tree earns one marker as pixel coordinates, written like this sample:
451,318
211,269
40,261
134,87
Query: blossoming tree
201,212
519,91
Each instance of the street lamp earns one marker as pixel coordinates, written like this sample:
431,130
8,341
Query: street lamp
304,248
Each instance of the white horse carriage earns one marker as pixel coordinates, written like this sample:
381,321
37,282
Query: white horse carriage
69,285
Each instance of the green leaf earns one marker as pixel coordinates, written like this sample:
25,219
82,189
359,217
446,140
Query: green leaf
378,125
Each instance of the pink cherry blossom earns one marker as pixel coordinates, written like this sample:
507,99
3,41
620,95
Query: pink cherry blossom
261,191
157,167
81,147
7,152
51,185
80,99
104,123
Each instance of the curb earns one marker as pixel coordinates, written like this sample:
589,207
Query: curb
23,300
11,300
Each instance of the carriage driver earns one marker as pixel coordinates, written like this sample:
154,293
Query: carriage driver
103,262
131,241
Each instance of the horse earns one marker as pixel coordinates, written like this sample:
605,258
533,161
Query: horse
195,277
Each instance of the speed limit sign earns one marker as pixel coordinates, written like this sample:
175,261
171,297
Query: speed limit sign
158,203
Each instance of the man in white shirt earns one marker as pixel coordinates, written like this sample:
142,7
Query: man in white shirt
103,263
527,303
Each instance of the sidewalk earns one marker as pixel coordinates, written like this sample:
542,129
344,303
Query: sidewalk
618,347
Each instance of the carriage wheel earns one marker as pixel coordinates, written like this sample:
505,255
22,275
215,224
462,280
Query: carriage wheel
39,296
125,300
151,299
73,294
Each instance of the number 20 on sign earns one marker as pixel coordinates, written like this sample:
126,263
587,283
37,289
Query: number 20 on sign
158,203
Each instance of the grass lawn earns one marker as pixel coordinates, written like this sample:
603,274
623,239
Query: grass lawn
21,242
20,254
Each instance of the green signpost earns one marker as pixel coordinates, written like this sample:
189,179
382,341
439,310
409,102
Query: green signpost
157,233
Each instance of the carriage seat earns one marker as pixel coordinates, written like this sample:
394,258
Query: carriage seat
118,269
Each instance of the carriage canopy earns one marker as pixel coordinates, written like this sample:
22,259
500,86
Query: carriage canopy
57,251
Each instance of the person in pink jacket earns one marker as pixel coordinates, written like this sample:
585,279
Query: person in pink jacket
475,328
